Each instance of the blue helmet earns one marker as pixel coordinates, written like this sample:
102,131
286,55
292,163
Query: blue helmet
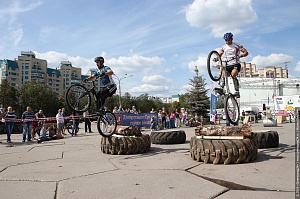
228,35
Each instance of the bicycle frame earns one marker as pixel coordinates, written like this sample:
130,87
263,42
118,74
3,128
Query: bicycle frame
225,73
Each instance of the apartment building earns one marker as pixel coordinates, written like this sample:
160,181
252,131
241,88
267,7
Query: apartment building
249,70
28,68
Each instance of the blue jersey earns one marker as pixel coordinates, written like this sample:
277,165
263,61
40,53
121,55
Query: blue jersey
105,80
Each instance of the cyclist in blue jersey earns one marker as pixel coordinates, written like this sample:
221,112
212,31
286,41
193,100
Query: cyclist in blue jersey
107,84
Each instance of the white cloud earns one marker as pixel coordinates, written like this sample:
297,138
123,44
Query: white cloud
273,59
220,15
133,64
147,88
184,89
200,63
297,68
156,80
8,18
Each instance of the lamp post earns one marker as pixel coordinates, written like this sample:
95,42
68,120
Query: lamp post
119,81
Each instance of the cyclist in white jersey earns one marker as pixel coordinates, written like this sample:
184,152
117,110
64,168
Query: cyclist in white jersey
233,52
107,84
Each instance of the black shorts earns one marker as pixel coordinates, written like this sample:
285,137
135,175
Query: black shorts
107,91
235,66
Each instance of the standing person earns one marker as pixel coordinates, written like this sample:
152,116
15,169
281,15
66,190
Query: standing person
233,52
153,123
172,119
40,121
60,122
152,111
75,119
87,122
163,118
9,117
115,110
120,110
2,111
63,112
177,119
27,118
107,84
167,122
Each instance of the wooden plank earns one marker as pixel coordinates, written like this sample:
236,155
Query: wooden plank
220,137
246,119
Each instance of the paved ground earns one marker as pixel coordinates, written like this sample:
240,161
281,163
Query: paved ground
75,167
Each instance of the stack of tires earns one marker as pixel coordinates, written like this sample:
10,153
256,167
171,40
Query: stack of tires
168,137
266,139
222,151
126,140
223,146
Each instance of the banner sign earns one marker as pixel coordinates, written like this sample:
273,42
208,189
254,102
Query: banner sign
287,103
213,107
138,120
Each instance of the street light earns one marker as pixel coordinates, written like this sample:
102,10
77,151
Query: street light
119,80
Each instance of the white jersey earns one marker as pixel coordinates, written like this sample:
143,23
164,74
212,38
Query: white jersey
232,52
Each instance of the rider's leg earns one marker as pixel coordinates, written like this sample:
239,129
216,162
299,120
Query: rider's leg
236,84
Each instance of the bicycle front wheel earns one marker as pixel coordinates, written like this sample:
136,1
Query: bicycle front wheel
214,65
232,109
78,98
107,124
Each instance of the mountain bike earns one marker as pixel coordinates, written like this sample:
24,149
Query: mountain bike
215,70
79,99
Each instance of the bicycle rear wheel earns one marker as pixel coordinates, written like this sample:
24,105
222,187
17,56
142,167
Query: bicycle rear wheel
107,124
78,98
232,109
214,65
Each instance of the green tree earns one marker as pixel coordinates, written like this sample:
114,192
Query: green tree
9,95
40,96
198,101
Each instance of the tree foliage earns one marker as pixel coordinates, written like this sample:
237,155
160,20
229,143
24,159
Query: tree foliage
198,101
9,95
39,96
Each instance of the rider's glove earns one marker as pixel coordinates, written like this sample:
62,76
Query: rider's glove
85,80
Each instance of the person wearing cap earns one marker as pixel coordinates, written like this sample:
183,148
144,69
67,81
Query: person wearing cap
233,52
107,84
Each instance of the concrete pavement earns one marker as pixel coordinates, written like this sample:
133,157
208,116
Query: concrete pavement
75,167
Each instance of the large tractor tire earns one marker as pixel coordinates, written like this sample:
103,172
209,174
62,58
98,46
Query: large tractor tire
223,151
267,139
125,145
168,137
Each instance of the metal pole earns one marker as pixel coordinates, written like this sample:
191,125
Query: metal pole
120,92
119,80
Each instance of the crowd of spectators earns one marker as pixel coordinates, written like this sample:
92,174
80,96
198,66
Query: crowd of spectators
36,126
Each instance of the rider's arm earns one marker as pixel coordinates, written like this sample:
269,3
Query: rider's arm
221,52
244,51
93,76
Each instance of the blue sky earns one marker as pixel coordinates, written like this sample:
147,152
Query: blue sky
157,42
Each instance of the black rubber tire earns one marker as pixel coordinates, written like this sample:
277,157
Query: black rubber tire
168,137
125,145
73,101
108,130
235,119
223,151
268,139
209,67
